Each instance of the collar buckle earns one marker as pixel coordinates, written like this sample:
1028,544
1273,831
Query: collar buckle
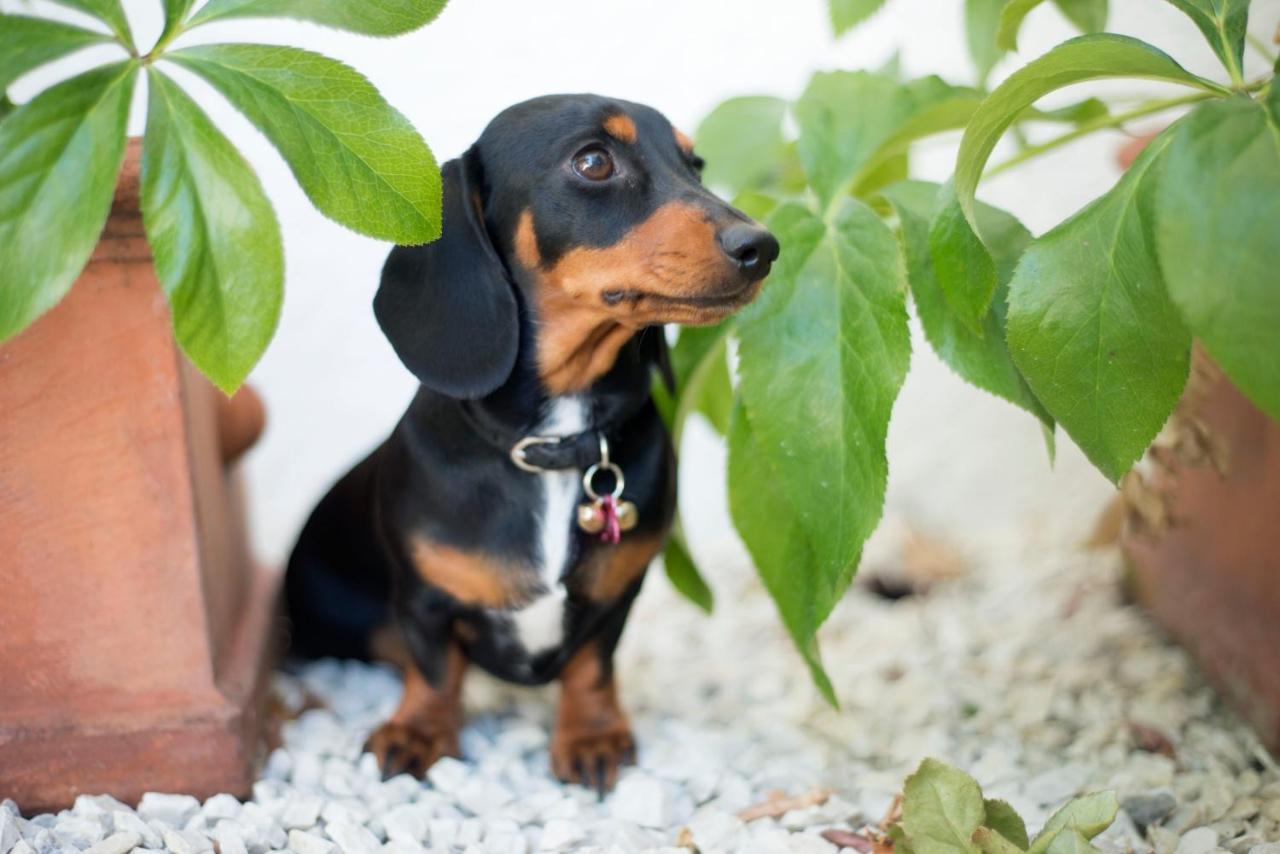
517,452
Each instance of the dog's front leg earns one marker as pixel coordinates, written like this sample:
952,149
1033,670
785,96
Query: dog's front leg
425,726
592,738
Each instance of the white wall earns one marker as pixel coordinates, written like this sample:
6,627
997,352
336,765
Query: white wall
959,459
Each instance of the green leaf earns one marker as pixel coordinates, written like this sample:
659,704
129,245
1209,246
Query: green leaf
707,389
1218,214
845,116
368,17
847,14
951,113
358,160
26,43
899,838
982,360
964,267
982,22
6,106
741,142
1082,58
1087,815
1092,327
683,573
175,15
215,239
1011,18
822,354
1088,16
1004,819
1070,841
109,12
1076,114
941,809
993,842
1224,24
771,531
60,154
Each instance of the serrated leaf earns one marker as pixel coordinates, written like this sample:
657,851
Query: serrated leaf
110,12
1218,214
683,573
847,14
941,809
771,531
1087,815
741,142
982,360
1092,327
965,271
991,841
214,237
1004,819
60,154
844,117
981,23
822,355
368,17
1083,58
1088,16
1070,841
1224,24
359,160
26,43
899,838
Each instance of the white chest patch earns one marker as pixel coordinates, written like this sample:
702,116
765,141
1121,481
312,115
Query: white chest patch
540,625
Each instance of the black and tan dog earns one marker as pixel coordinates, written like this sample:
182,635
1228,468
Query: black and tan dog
573,229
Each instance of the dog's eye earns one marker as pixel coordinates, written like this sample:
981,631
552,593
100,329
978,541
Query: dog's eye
594,164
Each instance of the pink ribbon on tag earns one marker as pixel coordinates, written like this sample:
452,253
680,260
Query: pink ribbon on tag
612,532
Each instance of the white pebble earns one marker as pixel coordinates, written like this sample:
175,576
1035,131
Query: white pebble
308,843
470,832
173,810
442,833
80,832
479,796
643,800
127,820
301,811
229,837
9,833
407,823
185,841
221,806
116,843
448,774
352,838
560,835
22,847
1202,840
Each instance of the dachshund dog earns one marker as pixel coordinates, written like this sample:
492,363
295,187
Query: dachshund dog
510,517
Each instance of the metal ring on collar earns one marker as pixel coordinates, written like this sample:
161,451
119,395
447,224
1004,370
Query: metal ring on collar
589,476
518,449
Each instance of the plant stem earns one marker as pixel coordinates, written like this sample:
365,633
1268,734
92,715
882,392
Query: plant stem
1101,123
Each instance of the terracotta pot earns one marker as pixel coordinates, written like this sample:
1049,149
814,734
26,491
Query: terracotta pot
1202,538
133,625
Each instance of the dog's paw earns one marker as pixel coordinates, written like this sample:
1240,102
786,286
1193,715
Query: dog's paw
592,759
403,750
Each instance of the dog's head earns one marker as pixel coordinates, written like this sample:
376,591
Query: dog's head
590,213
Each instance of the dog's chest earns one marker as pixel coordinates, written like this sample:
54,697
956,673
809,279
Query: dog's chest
540,625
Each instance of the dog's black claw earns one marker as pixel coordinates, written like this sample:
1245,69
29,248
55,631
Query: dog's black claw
602,776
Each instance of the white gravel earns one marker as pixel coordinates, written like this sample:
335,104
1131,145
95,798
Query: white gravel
1027,670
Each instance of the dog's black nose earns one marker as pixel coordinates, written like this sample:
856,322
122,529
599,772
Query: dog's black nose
751,247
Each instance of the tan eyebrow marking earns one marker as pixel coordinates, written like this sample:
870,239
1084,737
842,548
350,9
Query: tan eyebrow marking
621,127
683,140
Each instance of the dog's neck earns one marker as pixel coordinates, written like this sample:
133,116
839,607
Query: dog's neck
575,345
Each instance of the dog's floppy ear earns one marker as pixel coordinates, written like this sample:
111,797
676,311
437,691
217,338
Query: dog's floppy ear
448,307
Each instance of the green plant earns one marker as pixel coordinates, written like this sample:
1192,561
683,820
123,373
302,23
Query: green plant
214,236
944,812
1088,326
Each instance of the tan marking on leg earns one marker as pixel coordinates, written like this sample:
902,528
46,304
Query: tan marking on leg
621,127
592,737
425,726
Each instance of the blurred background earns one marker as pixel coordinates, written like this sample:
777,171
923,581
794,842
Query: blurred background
963,465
